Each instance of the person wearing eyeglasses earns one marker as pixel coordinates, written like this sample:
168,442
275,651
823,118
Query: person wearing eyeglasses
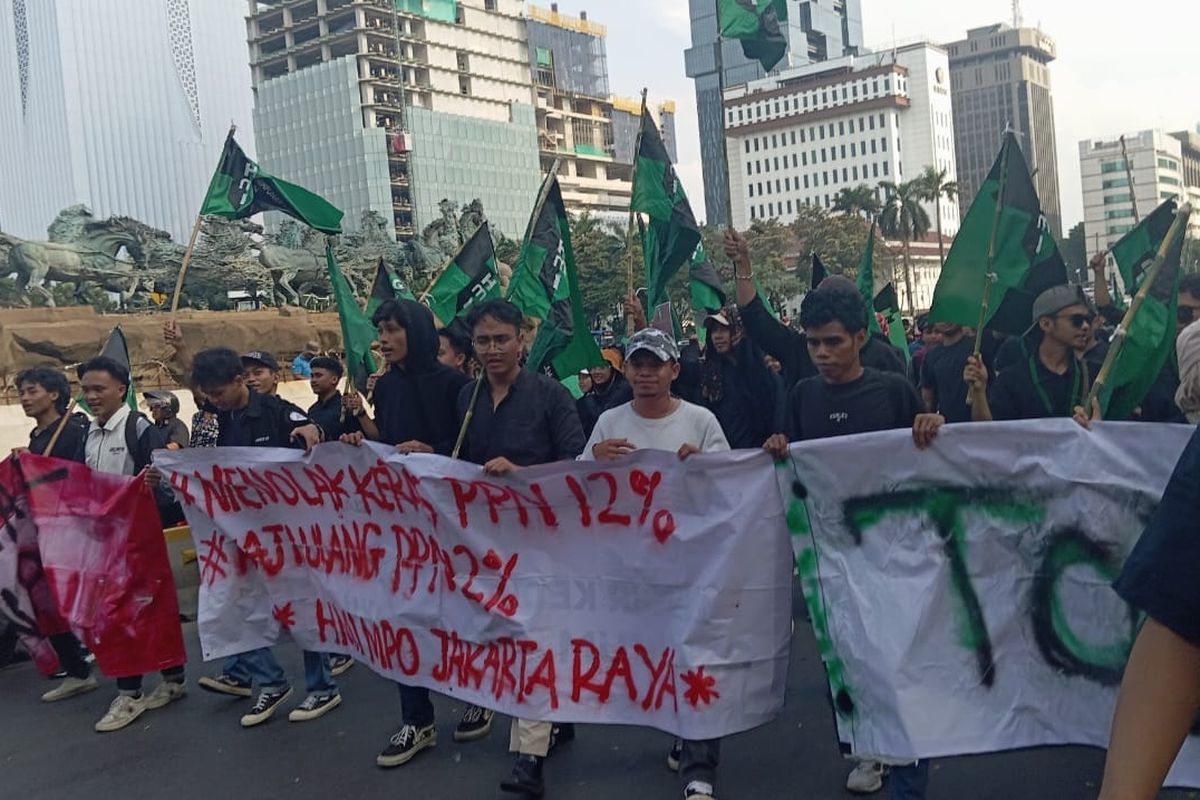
1048,380
516,419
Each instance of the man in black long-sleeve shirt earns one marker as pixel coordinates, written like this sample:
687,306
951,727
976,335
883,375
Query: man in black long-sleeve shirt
789,347
518,419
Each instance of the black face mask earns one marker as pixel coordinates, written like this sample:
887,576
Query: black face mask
1186,315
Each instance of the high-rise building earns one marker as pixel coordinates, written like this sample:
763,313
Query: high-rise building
816,30
1163,166
122,106
580,123
1000,77
395,105
800,137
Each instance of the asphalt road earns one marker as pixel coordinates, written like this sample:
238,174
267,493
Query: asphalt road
195,749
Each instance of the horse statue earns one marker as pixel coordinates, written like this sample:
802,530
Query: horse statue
90,255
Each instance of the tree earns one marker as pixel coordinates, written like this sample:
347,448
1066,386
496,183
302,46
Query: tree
905,219
603,264
861,199
935,188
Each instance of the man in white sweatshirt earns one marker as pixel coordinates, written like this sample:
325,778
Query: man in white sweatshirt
655,420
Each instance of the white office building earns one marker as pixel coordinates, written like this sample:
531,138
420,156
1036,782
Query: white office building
1157,164
800,137
121,105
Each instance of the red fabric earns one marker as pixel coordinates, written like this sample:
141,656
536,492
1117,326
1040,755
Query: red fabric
105,561
26,602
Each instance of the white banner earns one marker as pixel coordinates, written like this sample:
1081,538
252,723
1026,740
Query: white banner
652,592
961,596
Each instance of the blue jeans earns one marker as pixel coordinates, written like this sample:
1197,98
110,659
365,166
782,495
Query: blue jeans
909,781
259,666
415,706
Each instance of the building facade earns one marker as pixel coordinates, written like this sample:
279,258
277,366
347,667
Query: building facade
1000,77
800,137
121,106
437,105
816,30
1159,164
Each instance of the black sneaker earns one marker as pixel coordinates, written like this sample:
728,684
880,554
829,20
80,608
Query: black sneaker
314,706
675,755
560,735
223,684
265,706
406,743
339,665
526,777
476,723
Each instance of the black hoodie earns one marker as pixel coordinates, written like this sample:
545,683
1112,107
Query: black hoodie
602,398
417,400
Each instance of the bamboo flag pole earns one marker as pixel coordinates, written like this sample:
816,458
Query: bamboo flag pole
990,278
1129,178
1178,227
637,147
187,256
462,431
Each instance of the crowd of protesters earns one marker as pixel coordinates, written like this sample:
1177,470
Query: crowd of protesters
746,380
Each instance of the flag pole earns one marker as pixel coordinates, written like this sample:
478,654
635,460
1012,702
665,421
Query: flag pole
187,255
990,278
462,431
720,64
637,147
74,404
1118,338
1129,177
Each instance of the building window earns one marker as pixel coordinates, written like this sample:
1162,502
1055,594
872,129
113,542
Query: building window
758,168
774,140
885,168
881,122
776,162
1167,163
802,136
741,116
789,206
835,179
845,175
795,161
883,144
843,151
787,184
1116,183
751,187
844,95
805,181
822,155
873,146
872,121
1168,180
747,143
777,107
822,130
752,212
1117,198
841,129
875,170
1119,213
824,178
489,5
749,168
1114,230
778,185
1112,166
853,150
804,159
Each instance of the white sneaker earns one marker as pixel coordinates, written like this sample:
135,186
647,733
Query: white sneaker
124,710
699,790
69,688
865,778
166,692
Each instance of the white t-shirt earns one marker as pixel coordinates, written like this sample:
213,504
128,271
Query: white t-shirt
688,424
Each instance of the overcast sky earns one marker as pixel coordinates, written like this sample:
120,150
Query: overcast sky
1121,67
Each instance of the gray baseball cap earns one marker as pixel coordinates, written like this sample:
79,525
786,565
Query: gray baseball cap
1056,298
652,340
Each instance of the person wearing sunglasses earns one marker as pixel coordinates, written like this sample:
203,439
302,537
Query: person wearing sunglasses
1049,380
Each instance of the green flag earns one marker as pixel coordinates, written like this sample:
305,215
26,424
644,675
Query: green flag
358,333
1135,251
1027,260
116,348
884,301
866,281
240,189
670,239
471,278
757,23
387,285
707,291
818,273
1150,336
545,286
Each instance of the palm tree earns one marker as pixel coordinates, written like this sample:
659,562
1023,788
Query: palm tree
861,199
937,187
904,218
